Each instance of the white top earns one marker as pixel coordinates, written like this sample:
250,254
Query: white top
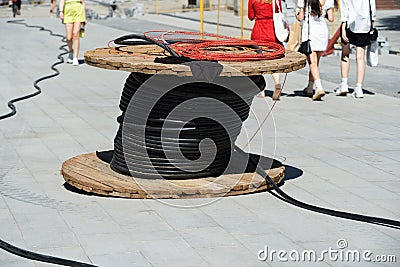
318,29
357,14
315,19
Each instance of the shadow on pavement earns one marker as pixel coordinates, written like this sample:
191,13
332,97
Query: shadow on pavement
292,172
390,23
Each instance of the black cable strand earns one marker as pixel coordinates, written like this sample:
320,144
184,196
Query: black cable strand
142,39
341,214
158,139
4,245
10,103
41,257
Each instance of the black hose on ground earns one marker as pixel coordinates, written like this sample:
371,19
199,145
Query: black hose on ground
41,257
10,103
4,245
341,214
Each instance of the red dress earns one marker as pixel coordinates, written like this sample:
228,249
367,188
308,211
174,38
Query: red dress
264,25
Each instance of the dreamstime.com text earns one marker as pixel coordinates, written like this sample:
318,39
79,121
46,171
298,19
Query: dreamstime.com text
339,254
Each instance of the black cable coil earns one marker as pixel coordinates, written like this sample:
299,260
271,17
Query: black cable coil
155,162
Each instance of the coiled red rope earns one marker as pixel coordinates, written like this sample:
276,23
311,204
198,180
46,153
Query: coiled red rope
230,50
203,46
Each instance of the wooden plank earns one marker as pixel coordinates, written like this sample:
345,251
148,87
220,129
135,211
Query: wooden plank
88,173
141,60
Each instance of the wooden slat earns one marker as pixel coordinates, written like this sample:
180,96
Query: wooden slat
90,174
141,59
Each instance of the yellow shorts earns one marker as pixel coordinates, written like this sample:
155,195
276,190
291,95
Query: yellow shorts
74,12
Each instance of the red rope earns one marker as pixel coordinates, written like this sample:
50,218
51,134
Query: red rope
244,50
204,46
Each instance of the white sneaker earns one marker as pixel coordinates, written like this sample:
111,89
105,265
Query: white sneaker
342,90
70,57
358,93
318,95
75,62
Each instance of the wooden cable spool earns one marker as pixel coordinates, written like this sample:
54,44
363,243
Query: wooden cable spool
88,173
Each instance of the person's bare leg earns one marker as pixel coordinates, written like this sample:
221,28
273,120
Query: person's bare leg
344,69
309,89
277,86
68,37
360,58
75,37
52,6
314,62
345,61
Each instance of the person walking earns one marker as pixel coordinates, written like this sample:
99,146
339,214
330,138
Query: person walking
261,11
313,14
18,3
72,14
52,6
357,17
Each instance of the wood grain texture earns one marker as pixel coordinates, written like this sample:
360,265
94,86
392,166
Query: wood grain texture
88,173
140,59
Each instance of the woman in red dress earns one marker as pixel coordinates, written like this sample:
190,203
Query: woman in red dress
263,29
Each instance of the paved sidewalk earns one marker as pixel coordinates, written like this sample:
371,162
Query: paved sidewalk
341,153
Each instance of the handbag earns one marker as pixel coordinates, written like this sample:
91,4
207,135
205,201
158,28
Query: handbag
280,23
294,37
373,34
373,54
305,47
372,48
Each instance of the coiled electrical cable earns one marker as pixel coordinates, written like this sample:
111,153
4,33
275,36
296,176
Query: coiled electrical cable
4,245
158,138
11,103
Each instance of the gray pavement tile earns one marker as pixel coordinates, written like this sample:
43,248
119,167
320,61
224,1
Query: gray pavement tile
226,207
206,237
144,225
388,205
164,252
230,256
246,225
373,173
50,239
178,218
393,154
90,223
392,169
134,258
10,230
17,263
108,243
